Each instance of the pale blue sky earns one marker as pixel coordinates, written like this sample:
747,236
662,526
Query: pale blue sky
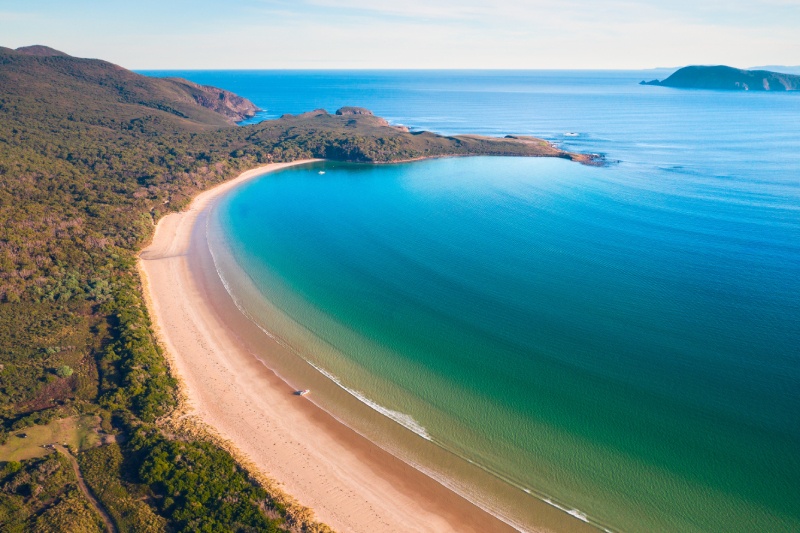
145,34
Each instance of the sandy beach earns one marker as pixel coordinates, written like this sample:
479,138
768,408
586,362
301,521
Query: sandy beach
350,483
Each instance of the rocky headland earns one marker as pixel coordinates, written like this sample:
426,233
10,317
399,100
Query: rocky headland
725,78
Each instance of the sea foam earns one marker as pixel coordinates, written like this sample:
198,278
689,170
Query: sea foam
405,420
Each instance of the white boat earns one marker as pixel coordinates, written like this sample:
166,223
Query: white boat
571,134
321,172
302,392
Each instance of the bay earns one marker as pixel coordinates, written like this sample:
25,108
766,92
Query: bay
622,340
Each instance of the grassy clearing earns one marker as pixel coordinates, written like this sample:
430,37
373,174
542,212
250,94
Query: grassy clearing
78,432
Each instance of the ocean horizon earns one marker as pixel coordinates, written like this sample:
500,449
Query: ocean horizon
621,341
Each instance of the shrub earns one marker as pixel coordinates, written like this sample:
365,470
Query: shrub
64,371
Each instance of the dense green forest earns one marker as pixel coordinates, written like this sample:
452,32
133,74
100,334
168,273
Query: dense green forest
91,156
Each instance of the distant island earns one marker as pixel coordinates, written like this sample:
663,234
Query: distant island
725,78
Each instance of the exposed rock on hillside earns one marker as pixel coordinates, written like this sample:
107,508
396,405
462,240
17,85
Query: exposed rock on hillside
224,102
353,111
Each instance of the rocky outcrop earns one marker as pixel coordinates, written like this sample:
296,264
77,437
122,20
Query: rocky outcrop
221,101
308,114
729,79
348,110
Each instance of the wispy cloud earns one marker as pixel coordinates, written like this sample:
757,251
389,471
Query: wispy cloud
446,10
415,33
576,17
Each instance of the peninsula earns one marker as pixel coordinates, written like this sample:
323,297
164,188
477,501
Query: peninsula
725,78
93,157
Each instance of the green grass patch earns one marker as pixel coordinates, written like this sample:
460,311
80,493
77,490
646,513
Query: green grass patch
78,432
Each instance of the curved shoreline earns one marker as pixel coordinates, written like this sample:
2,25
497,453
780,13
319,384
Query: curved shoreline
349,482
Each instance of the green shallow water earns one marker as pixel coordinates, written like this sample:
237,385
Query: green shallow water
624,346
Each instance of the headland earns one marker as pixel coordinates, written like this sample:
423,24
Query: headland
724,78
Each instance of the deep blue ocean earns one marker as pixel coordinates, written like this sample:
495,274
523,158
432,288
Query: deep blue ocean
623,340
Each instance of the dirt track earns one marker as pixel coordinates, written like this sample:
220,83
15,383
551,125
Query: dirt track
110,527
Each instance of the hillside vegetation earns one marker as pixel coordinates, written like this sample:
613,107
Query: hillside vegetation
91,156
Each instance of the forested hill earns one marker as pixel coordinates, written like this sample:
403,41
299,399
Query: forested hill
91,86
729,79
91,156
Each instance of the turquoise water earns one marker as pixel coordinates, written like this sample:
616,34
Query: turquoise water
623,340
